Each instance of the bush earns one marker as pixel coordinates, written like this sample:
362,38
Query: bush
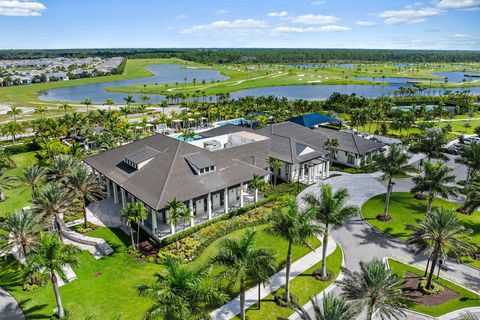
29,287
280,300
22,148
436,288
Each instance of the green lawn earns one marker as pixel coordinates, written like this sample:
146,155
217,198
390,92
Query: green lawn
406,210
19,197
304,287
465,299
105,288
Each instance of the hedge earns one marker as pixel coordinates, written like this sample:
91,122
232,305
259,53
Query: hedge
22,148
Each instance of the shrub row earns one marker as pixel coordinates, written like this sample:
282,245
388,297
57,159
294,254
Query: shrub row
22,148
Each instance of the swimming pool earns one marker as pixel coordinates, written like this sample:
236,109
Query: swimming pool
236,122
181,138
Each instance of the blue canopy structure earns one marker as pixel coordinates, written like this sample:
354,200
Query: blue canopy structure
312,120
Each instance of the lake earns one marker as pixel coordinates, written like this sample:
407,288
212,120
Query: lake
163,73
457,76
171,73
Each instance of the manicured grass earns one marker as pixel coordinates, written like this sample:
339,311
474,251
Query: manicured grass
404,209
465,299
17,198
104,288
304,287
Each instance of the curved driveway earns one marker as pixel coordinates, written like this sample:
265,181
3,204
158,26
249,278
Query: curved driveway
362,242
9,308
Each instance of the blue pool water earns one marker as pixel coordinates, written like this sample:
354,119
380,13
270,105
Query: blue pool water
236,122
181,138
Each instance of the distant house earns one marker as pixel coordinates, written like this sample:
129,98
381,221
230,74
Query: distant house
313,120
57,76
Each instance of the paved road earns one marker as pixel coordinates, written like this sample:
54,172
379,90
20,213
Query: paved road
9,309
361,242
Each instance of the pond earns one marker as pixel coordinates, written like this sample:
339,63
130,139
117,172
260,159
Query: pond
163,73
459,76
171,73
391,80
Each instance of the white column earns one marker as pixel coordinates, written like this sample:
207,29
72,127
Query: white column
109,187
328,169
172,227
115,193
192,219
209,206
225,200
323,170
154,221
124,198
241,195
309,175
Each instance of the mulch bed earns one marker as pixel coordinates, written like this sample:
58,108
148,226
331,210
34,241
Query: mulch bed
381,217
410,287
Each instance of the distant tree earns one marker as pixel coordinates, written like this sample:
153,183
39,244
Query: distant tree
87,102
14,112
431,143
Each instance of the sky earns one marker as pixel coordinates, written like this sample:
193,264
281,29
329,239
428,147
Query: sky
384,24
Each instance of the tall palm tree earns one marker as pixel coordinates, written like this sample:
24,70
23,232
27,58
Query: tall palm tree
331,145
431,143
87,102
13,129
257,184
6,183
473,195
86,186
181,293
48,256
331,308
129,100
61,167
242,261
14,112
296,227
441,234
52,202
374,287
469,156
134,213
32,176
329,209
391,164
22,227
65,107
176,213
275,165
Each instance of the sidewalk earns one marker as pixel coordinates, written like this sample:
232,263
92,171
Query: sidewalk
232,308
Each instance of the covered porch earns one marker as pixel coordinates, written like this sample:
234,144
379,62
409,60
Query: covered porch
313,171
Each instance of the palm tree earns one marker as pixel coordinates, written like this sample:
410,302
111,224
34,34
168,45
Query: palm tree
109,103
332,308
129,100
275,165
13,129
52,202
14,112
62,167
441,234
181,293
22,226
374,287
436,180
86,186
470,157
32,176
331,145
87,102
243,261
296,227
257,184
65,107
473,195
391,164
431,143
134,213
329,209
6,183
176,213
48,256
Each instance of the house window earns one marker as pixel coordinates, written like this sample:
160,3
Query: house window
351,159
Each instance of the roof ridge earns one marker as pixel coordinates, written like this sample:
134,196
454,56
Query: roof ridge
168,174
355,142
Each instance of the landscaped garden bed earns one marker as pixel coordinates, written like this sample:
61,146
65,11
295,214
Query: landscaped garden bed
405,209
452,297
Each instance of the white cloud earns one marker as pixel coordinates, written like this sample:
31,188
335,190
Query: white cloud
282,30
315,19
221,11
461,36
239,24
318,2
278,14
182,16
458,4
365,23
409,15
21,8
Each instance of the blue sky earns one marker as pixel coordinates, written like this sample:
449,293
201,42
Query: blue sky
429,24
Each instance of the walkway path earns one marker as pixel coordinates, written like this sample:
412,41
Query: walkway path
232,308
357,233
9,308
